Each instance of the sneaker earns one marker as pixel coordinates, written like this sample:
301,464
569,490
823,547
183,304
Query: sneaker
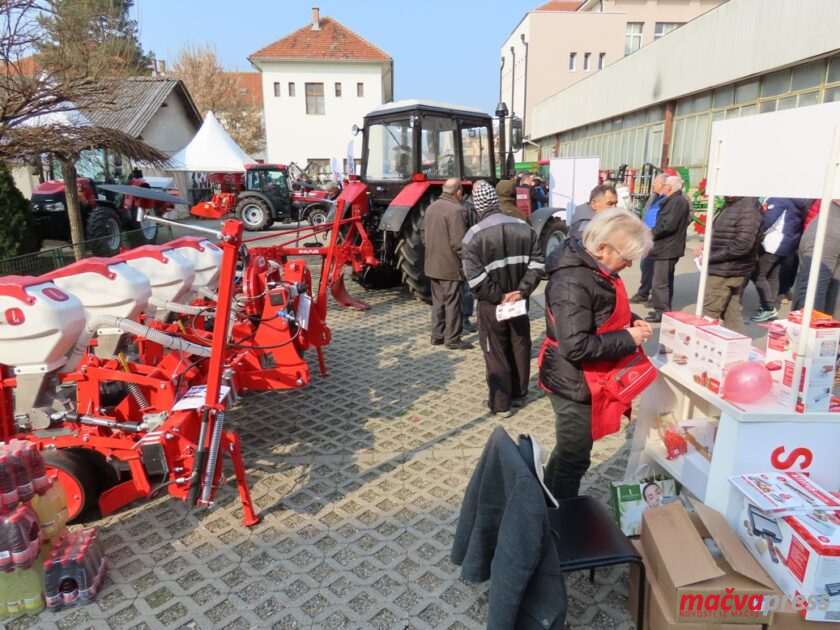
437,342
654,317
765,314
503,414
468,327
638,299
459,345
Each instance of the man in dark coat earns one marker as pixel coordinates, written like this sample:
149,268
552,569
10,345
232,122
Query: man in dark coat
442,231
602,197
735,238
503,263
506,190
669,234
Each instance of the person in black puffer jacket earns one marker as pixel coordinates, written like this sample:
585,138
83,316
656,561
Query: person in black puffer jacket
733,255
582,294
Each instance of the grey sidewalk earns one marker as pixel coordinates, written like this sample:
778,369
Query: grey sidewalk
359,479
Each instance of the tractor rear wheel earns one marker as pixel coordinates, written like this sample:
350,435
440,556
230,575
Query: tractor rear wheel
254,213
148,230
410,253
77,476
552,236
104,227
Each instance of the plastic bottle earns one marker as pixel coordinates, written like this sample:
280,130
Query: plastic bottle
29,584
17,459
51,507
5,594
9,496
36,467
13,596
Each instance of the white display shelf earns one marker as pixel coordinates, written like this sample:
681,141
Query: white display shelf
751,438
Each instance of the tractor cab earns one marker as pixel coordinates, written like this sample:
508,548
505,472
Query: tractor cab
271,180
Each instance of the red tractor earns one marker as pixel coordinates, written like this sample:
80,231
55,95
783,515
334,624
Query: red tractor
104,215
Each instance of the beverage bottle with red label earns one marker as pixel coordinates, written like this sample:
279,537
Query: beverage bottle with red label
18,463
9,496
51,507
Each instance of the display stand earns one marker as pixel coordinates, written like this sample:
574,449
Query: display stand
794,153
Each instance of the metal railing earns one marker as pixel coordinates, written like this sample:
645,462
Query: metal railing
53,258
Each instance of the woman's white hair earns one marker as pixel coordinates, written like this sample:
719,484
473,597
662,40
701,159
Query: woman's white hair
620,229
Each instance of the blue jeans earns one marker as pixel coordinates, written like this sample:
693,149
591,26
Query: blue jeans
469,300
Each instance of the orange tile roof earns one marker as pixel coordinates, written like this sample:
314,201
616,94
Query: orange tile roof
251,83
25,67
331,41
558,5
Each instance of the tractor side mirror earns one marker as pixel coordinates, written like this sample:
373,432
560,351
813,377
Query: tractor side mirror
516,134
356,129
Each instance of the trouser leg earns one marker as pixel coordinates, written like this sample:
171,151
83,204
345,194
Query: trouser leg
732,316
520,345
570,458
494,337
662,284
469,300
438,309
646,267
717,297
767,265
453,310
787,273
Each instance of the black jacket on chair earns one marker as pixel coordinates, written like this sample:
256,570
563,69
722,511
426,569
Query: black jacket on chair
671,227
504,535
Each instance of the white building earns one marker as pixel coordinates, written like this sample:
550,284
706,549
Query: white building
317,83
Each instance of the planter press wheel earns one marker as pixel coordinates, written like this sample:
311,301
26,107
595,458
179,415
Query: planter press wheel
77,477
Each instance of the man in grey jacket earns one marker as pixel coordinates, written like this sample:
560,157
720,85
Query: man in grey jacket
601,198
442,231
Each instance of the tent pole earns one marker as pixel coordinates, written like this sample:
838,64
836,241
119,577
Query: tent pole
816,262
711,186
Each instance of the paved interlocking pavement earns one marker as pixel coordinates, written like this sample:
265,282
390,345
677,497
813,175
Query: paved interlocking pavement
359,479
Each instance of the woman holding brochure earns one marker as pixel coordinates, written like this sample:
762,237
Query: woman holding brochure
591,363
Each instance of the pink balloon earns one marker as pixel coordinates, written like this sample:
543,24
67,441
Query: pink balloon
747,382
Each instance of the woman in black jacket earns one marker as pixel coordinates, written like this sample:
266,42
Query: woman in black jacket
588,319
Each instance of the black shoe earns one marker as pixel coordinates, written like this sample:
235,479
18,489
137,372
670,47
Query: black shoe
648,304
459,345
468,327
437,342
654,317
519,402
638,299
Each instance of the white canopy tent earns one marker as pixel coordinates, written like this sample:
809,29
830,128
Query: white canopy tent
212,150
793,153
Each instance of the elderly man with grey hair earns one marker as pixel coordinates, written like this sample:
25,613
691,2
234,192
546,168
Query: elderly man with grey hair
649,212
669,234
442,231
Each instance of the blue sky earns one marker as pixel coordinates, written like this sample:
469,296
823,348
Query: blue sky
445,51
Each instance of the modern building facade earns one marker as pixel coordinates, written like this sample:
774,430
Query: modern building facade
746,57
561,43
316,83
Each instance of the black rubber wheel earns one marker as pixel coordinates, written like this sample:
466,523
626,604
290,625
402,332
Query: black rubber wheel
254,213
553,235
104,229
316,215
78,477
410,253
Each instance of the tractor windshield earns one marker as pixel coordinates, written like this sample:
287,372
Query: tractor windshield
476,147
390,149
438,148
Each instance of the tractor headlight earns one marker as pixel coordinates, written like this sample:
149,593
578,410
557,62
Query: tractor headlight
54,207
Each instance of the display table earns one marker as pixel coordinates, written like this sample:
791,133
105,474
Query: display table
757,437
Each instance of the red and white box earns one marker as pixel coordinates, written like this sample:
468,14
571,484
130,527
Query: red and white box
801,553
676,334
819,366
713,350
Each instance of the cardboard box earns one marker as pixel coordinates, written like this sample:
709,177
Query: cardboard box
676,334
789,619
715,349
655,616
687,573
800,552
820,364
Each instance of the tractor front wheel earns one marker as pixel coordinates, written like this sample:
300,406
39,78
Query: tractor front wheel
552,236
410,253
148,230
104,228
316,215
254,214
76,475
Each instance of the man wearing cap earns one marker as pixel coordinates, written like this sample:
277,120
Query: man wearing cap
503,263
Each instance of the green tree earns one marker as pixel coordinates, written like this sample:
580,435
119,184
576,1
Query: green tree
87,37
17,229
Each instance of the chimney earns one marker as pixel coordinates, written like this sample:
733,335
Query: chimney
162,66
316,19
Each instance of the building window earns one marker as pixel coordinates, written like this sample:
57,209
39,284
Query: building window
319,168
338,90
315,98
601,58
572,61
360,89
663,28
586,57
291,88
633,37
277,88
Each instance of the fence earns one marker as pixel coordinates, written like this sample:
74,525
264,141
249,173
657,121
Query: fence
51,259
